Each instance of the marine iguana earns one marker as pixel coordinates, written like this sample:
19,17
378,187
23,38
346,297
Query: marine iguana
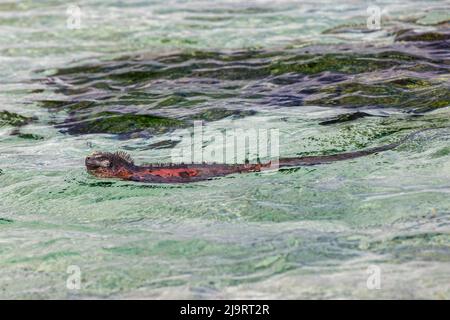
120,165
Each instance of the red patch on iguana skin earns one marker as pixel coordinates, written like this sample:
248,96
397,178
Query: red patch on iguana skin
172,172
123,173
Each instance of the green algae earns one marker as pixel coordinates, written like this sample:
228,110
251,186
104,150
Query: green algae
5,221
410,94
345,118
30,136
343,63
119,123
409,35
241,65
122,123
13,119
53,104
410,83
441,153
179,101
215,114
347,28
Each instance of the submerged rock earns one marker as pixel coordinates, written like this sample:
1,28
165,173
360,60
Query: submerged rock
13,119
347,63
165,144
346,118
120,96
6,221
120,123
30,136
411,35
349,28
413,95
138,125
215,114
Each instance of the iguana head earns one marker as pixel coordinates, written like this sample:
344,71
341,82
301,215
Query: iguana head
109,165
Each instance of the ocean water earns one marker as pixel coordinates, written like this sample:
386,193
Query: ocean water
135,75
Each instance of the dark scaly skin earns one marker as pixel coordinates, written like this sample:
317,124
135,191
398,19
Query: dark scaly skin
119,165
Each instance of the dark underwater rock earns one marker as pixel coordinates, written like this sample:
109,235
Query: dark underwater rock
30,136
346,118
139,125
165,144
411,35
215,114
6,221
120,123
122,96
413,95
13,119
349,28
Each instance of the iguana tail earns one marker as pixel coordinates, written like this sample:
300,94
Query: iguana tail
314,160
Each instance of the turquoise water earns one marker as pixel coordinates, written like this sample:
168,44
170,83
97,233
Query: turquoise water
303,68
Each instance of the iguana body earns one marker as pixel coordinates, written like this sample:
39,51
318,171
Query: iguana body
120,165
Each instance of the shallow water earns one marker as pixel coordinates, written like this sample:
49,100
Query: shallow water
136,76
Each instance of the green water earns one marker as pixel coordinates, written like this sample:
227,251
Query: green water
136,75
